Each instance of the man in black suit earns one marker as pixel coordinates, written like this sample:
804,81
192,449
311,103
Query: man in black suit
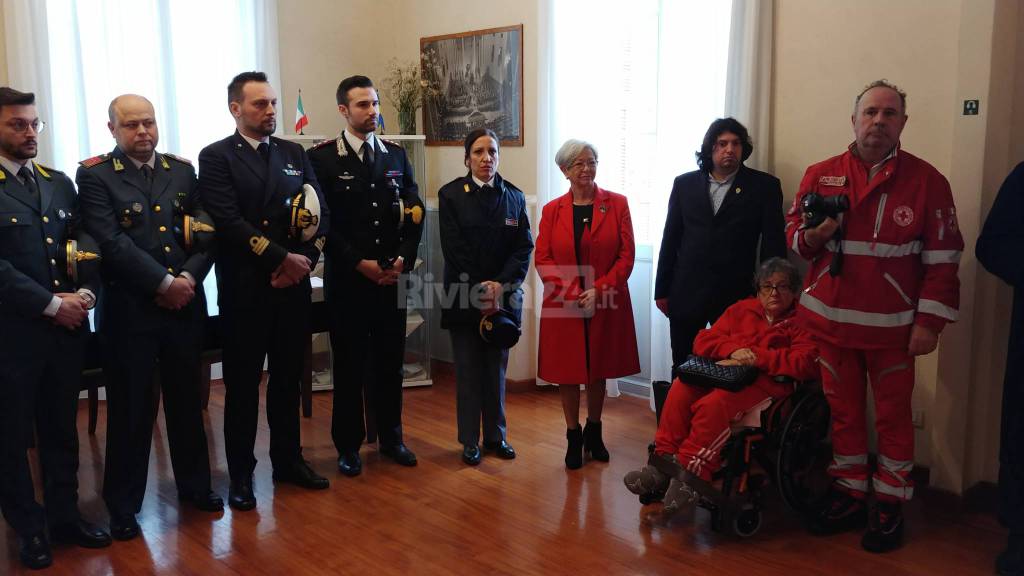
717,217
370,182
151,312
245,182
44,320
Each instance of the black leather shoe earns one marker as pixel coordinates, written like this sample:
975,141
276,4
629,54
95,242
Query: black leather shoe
399,453
34,552
123,527
501,450
350,464
471,454
81,533
240,495
207,501
302,475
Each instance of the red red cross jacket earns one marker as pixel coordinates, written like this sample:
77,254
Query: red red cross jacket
901,251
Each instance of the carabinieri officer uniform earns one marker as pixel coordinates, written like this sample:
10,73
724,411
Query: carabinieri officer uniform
380,218
130,208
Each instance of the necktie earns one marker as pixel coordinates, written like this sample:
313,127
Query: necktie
264,150
367,156
147,173
29,179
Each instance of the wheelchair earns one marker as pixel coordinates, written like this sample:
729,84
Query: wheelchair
786,443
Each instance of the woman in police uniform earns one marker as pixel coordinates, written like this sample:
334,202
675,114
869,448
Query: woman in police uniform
486,240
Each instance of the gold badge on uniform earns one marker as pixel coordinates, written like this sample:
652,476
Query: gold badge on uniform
118,166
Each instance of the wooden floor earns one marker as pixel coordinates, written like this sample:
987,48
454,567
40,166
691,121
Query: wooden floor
526,516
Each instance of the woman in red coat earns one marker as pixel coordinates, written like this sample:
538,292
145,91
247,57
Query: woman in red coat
584,256
695,422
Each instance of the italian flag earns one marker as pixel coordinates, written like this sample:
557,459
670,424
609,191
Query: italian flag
300,116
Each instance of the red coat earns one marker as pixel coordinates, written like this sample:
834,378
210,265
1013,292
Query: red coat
782,348
612,335
901,253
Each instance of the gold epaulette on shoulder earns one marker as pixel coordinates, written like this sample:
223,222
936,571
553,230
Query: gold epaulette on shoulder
323,143
95,160
178,158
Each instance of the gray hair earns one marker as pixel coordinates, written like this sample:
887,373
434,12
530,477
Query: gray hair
571,150
774,265
883,83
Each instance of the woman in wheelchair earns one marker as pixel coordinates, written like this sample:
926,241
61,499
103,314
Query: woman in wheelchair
762,332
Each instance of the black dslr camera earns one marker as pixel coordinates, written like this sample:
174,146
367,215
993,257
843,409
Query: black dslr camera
817,207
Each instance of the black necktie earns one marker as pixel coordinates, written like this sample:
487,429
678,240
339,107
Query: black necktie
29,179
367,156
147,173
264,150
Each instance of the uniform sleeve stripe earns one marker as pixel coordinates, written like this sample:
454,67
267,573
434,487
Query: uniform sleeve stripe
937,309
941,257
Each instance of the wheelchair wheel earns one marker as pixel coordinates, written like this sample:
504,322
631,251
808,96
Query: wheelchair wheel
746,522
804,453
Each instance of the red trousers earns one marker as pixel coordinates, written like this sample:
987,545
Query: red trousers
844,373
695,421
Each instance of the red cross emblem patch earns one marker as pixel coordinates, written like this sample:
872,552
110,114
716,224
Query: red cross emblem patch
903,215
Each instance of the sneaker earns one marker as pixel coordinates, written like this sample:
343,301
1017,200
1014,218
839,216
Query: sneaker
678,496
841,513
645,480
886,530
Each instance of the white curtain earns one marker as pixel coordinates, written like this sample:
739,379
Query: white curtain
642,84
749,82
76,55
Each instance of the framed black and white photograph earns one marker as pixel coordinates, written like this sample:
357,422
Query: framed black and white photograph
475,80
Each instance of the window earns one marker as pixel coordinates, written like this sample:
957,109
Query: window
180,54
641,80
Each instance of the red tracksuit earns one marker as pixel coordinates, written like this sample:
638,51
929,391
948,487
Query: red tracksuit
695,421
901,250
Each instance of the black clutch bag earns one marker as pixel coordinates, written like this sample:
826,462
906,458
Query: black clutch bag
704,372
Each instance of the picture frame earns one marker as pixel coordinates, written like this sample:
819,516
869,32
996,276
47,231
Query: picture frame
476,81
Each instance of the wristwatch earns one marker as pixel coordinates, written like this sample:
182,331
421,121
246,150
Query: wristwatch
88,298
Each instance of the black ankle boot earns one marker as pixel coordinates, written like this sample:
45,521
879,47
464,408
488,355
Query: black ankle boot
592,442
574,454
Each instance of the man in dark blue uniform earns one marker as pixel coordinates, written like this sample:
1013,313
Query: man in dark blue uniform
151,312
246,182
999,250
370,183
42,342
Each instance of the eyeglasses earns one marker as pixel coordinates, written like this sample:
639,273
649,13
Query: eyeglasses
583,164
767,289
21,126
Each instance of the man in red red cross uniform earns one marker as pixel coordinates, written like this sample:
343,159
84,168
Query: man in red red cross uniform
881,286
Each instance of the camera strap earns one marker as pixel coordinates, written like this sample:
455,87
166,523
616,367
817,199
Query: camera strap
835,267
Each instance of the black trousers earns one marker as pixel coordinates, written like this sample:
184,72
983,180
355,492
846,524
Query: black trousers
1011,441
368,343
173,348
683,331
40,379
278,331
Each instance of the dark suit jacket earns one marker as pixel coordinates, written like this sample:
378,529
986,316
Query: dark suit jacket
481,243
366,225
707,260
134,225
248,202
31,231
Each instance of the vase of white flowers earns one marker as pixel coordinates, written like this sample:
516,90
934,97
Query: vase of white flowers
405,87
